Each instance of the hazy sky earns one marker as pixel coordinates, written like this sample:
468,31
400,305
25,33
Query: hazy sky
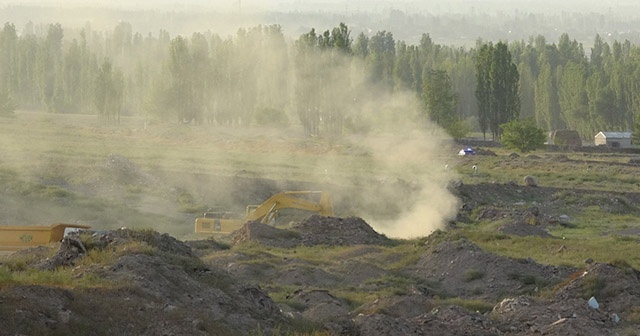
445,20
436,6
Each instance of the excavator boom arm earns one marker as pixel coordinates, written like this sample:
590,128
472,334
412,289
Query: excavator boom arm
292,199
315,201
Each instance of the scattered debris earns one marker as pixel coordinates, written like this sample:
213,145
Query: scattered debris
593,303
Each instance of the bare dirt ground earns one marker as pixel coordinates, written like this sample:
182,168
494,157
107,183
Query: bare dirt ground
206,288
133,282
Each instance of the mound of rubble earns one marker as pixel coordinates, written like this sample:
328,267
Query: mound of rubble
599,300
448,320
150,284
464,270
160,287
313,231
335,231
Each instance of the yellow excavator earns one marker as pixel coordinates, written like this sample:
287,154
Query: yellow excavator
266,213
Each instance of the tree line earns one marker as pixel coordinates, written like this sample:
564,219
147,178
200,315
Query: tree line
321,80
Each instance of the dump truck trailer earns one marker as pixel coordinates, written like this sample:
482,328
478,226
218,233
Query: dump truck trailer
15,237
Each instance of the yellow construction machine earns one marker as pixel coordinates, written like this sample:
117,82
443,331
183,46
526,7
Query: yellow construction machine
15,237
266,213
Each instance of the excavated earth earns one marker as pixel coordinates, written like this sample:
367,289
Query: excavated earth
162,286
132,282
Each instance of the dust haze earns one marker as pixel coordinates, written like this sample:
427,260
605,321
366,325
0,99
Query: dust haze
449,22
401,190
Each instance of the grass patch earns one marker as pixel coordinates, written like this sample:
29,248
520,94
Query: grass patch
623,265
528,279
209,243
61,277
592,286
473,274
633,316
479,306
565,252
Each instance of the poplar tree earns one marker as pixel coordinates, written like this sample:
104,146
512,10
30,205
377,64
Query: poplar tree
440,101
108,92
318,61
497,89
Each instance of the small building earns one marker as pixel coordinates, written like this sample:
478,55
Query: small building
613,139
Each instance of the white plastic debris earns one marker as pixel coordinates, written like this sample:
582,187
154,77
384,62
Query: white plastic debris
615,318
593,303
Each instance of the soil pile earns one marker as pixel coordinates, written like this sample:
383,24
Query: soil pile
266,235
313,231
463,270
334,231
139,283
448,320
357,282
591,302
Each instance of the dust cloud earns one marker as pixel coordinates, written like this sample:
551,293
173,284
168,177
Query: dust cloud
418,158
405,182
383,153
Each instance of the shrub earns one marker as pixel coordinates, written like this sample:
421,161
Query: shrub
473,274
522,135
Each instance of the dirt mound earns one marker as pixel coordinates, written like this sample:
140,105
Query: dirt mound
463,269
334,231
520,222
523,230
159,287
313,231
536,316
502,194
266,235
407,306
319,304
447,320
160,241
615,288
529,215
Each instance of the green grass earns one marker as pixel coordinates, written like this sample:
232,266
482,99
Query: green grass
479,306
60,277
569,251
473,274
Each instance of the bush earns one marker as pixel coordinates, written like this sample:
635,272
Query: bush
522,135
458,129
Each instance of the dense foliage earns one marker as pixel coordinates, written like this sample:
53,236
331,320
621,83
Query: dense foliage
321,79
497,88
522,135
